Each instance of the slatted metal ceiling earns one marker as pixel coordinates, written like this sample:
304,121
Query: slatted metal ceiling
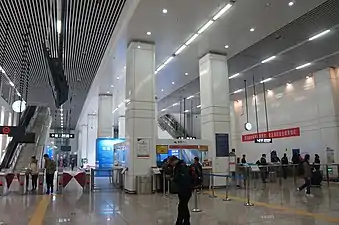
88,27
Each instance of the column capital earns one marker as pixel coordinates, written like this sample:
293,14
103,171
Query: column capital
213,56
141,45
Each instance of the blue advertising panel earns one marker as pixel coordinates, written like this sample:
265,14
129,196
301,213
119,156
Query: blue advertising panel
49,151
222,145
105,154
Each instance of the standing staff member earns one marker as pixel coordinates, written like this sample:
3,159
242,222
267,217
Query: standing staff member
50,167
34,170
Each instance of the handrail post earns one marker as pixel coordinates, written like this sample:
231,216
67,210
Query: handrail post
227,199
327,176
164,184
196,208
248,202
212,194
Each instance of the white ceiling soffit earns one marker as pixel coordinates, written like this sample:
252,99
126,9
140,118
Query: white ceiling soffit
296,49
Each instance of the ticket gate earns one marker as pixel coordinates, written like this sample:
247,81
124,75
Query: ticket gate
41,180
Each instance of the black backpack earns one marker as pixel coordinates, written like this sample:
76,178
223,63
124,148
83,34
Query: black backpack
195,176
301,170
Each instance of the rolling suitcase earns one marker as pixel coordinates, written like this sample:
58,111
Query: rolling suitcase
317,178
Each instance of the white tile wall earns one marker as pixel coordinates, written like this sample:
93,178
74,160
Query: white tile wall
311,104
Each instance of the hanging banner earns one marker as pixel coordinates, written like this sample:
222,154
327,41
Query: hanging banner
274,134
143,147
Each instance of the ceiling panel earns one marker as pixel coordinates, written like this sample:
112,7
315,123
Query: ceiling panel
88,27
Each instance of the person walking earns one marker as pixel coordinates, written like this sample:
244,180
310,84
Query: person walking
50,167
284,164
34,171
182,185
307,174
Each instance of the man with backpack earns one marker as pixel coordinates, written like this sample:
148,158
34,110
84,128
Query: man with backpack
306,171
197,172
182,184
50,167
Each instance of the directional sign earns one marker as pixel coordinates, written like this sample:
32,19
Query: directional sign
61,135
263,140
12,131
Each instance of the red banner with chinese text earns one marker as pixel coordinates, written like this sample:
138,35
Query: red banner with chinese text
290,132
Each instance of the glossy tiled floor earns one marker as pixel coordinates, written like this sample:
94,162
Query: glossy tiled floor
273,204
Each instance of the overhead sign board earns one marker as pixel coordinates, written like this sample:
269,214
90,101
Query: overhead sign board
61,135
263,140
274,134
12,131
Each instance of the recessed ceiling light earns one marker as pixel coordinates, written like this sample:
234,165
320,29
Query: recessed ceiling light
112,86
266,80
124,67
268,59
139,46
252,29
118,78
148,33
107,92
233,76
162,89
319,35
308,77
303,66
291,3
288,84
186,74
227,46
164,11
198,106
173,82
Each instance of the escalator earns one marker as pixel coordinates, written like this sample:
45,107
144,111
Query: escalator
24,121
172,126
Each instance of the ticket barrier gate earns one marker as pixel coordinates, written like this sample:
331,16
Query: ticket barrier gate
59,183
82,178
41,180
2,184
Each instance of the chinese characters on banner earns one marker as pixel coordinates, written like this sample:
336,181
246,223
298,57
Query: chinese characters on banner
290,132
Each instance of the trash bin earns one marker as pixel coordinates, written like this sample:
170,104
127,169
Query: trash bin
144,185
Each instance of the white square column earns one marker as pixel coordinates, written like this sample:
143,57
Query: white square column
140,112
215,110
105,117
92,123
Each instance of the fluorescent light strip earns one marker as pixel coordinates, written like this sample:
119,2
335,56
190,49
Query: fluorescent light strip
191,39
222,11
192,96
303,66
238,91
268,59
207,25
175,104
160,67
233,76
180,49
199,106
163,110
187,110
319,35
168,60
266,80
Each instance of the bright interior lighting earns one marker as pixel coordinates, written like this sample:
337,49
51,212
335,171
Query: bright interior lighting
164,11
175,104
18,94
238,91
173,82
198,106
139,46
266,80
190,97
252,29
227,46
268,59
191,39
162,89
118,78
233,76
207,25
11,83
163,110
291,3
168,60
59,26
222,11
180,50
288,84
303,66
112,86
319,35
187,110
161,67
148,33
269,90
186,74
307,77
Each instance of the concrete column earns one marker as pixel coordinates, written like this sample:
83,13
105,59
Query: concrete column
140,112
215,110
122,109
83,141
91,138
105,117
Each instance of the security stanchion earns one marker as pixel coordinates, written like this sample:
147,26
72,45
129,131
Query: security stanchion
211,186
22,186
327,176
168,187
280,175
164,184
59,181
41,183
248,202
227,199
196,208
294,174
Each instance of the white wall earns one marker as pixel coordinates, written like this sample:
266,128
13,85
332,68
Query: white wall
162,134
311,104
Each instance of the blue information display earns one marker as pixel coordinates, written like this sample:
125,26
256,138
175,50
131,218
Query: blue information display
105,154
222,145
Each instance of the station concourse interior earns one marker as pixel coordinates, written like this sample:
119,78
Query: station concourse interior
99,99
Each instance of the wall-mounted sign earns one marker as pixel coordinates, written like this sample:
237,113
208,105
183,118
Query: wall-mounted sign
274,134
222,147
12,131
143,147
60,135
263,140
162,149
